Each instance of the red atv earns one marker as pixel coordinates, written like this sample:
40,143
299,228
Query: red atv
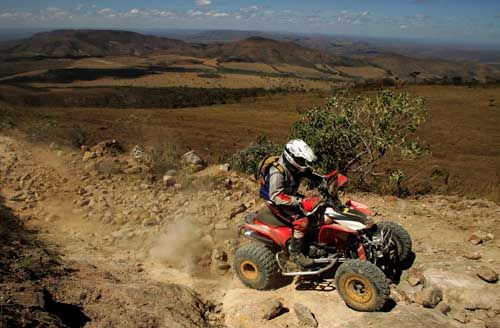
342,239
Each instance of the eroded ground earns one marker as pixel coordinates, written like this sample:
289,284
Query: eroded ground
133,252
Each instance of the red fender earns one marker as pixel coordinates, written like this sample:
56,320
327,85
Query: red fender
341,179
310,203
359,207
337,234
280,235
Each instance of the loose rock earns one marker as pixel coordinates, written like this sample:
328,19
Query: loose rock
240,209
169,180
305,316
193,161
272,308
473,256
429,297
474,238
443,307
487,275
225,167
415,277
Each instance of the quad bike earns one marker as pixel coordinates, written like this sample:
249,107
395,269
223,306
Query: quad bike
341,239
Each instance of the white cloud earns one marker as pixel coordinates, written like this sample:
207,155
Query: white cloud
195,13
54,13
220,15
203,2
355,18
105,11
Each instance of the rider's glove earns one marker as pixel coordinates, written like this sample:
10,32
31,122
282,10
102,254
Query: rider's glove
296,201
323,186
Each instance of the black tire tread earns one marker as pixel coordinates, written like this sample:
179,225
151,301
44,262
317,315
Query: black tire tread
266,260
403,236
373,273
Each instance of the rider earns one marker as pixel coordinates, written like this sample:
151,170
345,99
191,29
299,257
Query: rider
280,191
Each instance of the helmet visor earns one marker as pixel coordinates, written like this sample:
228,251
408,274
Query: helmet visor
300,161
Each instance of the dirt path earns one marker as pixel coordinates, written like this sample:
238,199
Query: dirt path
126,241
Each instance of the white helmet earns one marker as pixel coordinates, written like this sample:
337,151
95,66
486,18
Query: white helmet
299,154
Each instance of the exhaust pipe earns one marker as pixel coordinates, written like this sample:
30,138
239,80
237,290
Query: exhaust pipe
258,237
331,262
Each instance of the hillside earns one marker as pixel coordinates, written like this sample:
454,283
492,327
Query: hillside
89,240
265,50
431,69
324,60
91,43
100,43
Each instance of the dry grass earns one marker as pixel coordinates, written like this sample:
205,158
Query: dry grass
300,71
464,135
174,79
463,130
213,131
365,72
254,67
97,63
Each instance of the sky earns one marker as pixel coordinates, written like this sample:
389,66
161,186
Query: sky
448,20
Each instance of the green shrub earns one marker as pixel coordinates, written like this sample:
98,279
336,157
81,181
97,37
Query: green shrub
247,159
352,133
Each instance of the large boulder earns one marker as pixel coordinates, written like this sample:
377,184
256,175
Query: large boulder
192,161
462,290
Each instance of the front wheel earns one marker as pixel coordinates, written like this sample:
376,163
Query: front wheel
255,265
362,285
398,236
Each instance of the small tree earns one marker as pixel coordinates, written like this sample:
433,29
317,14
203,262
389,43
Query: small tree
414,75
352,133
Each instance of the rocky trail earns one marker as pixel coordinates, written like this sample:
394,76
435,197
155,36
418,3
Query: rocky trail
91,239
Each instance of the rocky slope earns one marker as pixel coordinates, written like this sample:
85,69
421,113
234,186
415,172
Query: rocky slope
134,250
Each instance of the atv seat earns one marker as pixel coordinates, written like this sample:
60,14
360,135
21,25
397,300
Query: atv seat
276,216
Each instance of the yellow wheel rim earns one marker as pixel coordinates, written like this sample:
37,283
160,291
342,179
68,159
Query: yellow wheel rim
358,289
249,270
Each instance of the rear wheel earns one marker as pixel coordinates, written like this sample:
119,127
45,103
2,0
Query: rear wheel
255,265
399,236
362,285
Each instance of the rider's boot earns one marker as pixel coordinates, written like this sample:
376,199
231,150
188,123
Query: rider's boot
296,256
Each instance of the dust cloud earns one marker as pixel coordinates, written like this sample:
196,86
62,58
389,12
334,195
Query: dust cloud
181,245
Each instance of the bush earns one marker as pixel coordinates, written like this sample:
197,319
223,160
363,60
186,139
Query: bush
77,136
352,133
7,117
247,159
163,158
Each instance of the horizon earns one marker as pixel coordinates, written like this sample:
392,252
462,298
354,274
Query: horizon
411,20
13,34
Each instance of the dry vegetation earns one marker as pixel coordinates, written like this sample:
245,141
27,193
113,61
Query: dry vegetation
226,80
255,67
366,72
463,131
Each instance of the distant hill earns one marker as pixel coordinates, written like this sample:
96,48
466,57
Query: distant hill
431,69
91,43
100,43
320,53
265,50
